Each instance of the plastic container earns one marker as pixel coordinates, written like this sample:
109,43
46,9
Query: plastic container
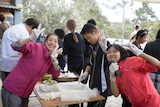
74,91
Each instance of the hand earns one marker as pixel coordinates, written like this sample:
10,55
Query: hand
55,53
134,49
54,56
113,68
36,32
59,51
55,61
103,42
83,76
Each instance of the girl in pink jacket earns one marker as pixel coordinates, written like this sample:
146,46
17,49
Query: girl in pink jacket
37,59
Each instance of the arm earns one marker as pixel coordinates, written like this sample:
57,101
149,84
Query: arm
85,74
55,73
114,88
113,67
24,41
33,36
143,55
17,45
150,59
88,68
102,41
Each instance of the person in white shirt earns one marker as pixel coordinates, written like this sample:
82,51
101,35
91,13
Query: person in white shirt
9,57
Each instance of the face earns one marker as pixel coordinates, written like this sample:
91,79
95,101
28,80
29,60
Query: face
92,37
29,29
113,54
143,39
52,42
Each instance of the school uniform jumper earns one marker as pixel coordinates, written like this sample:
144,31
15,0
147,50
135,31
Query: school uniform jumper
152,48
75,52
99,77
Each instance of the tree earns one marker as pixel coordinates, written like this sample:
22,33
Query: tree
52,14
55,13
122,6
144,14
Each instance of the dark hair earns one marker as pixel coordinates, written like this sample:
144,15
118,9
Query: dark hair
32,22
124,53
49,36
137,27
60,33
158,34
2,17
92,21
141,33
88,28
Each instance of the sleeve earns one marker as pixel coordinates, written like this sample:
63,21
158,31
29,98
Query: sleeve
147,67
91,56
54,72
65,46
16,46
28,47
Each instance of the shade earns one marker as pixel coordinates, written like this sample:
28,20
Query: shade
149,1
8,5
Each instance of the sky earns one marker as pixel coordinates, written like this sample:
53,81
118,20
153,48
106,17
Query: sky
116,15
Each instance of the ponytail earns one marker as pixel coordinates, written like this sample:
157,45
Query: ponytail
72,26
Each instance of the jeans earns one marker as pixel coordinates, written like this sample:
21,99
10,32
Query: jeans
12,100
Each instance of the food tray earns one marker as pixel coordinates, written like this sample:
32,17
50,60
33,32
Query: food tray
63,79
67,77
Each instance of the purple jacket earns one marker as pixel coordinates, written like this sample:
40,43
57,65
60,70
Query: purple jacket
34,63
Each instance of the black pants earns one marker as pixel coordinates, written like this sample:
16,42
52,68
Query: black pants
97,103
125,102
74,105
100,103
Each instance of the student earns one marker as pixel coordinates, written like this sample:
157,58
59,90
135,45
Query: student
152,48
3,25
134,81
133,34
61,58
9,57
97,66
140,38
89,49
88,46
73,48
37,59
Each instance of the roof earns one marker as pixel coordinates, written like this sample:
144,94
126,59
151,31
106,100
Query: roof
149,1
8,5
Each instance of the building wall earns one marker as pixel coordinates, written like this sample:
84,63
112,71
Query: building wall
17,13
